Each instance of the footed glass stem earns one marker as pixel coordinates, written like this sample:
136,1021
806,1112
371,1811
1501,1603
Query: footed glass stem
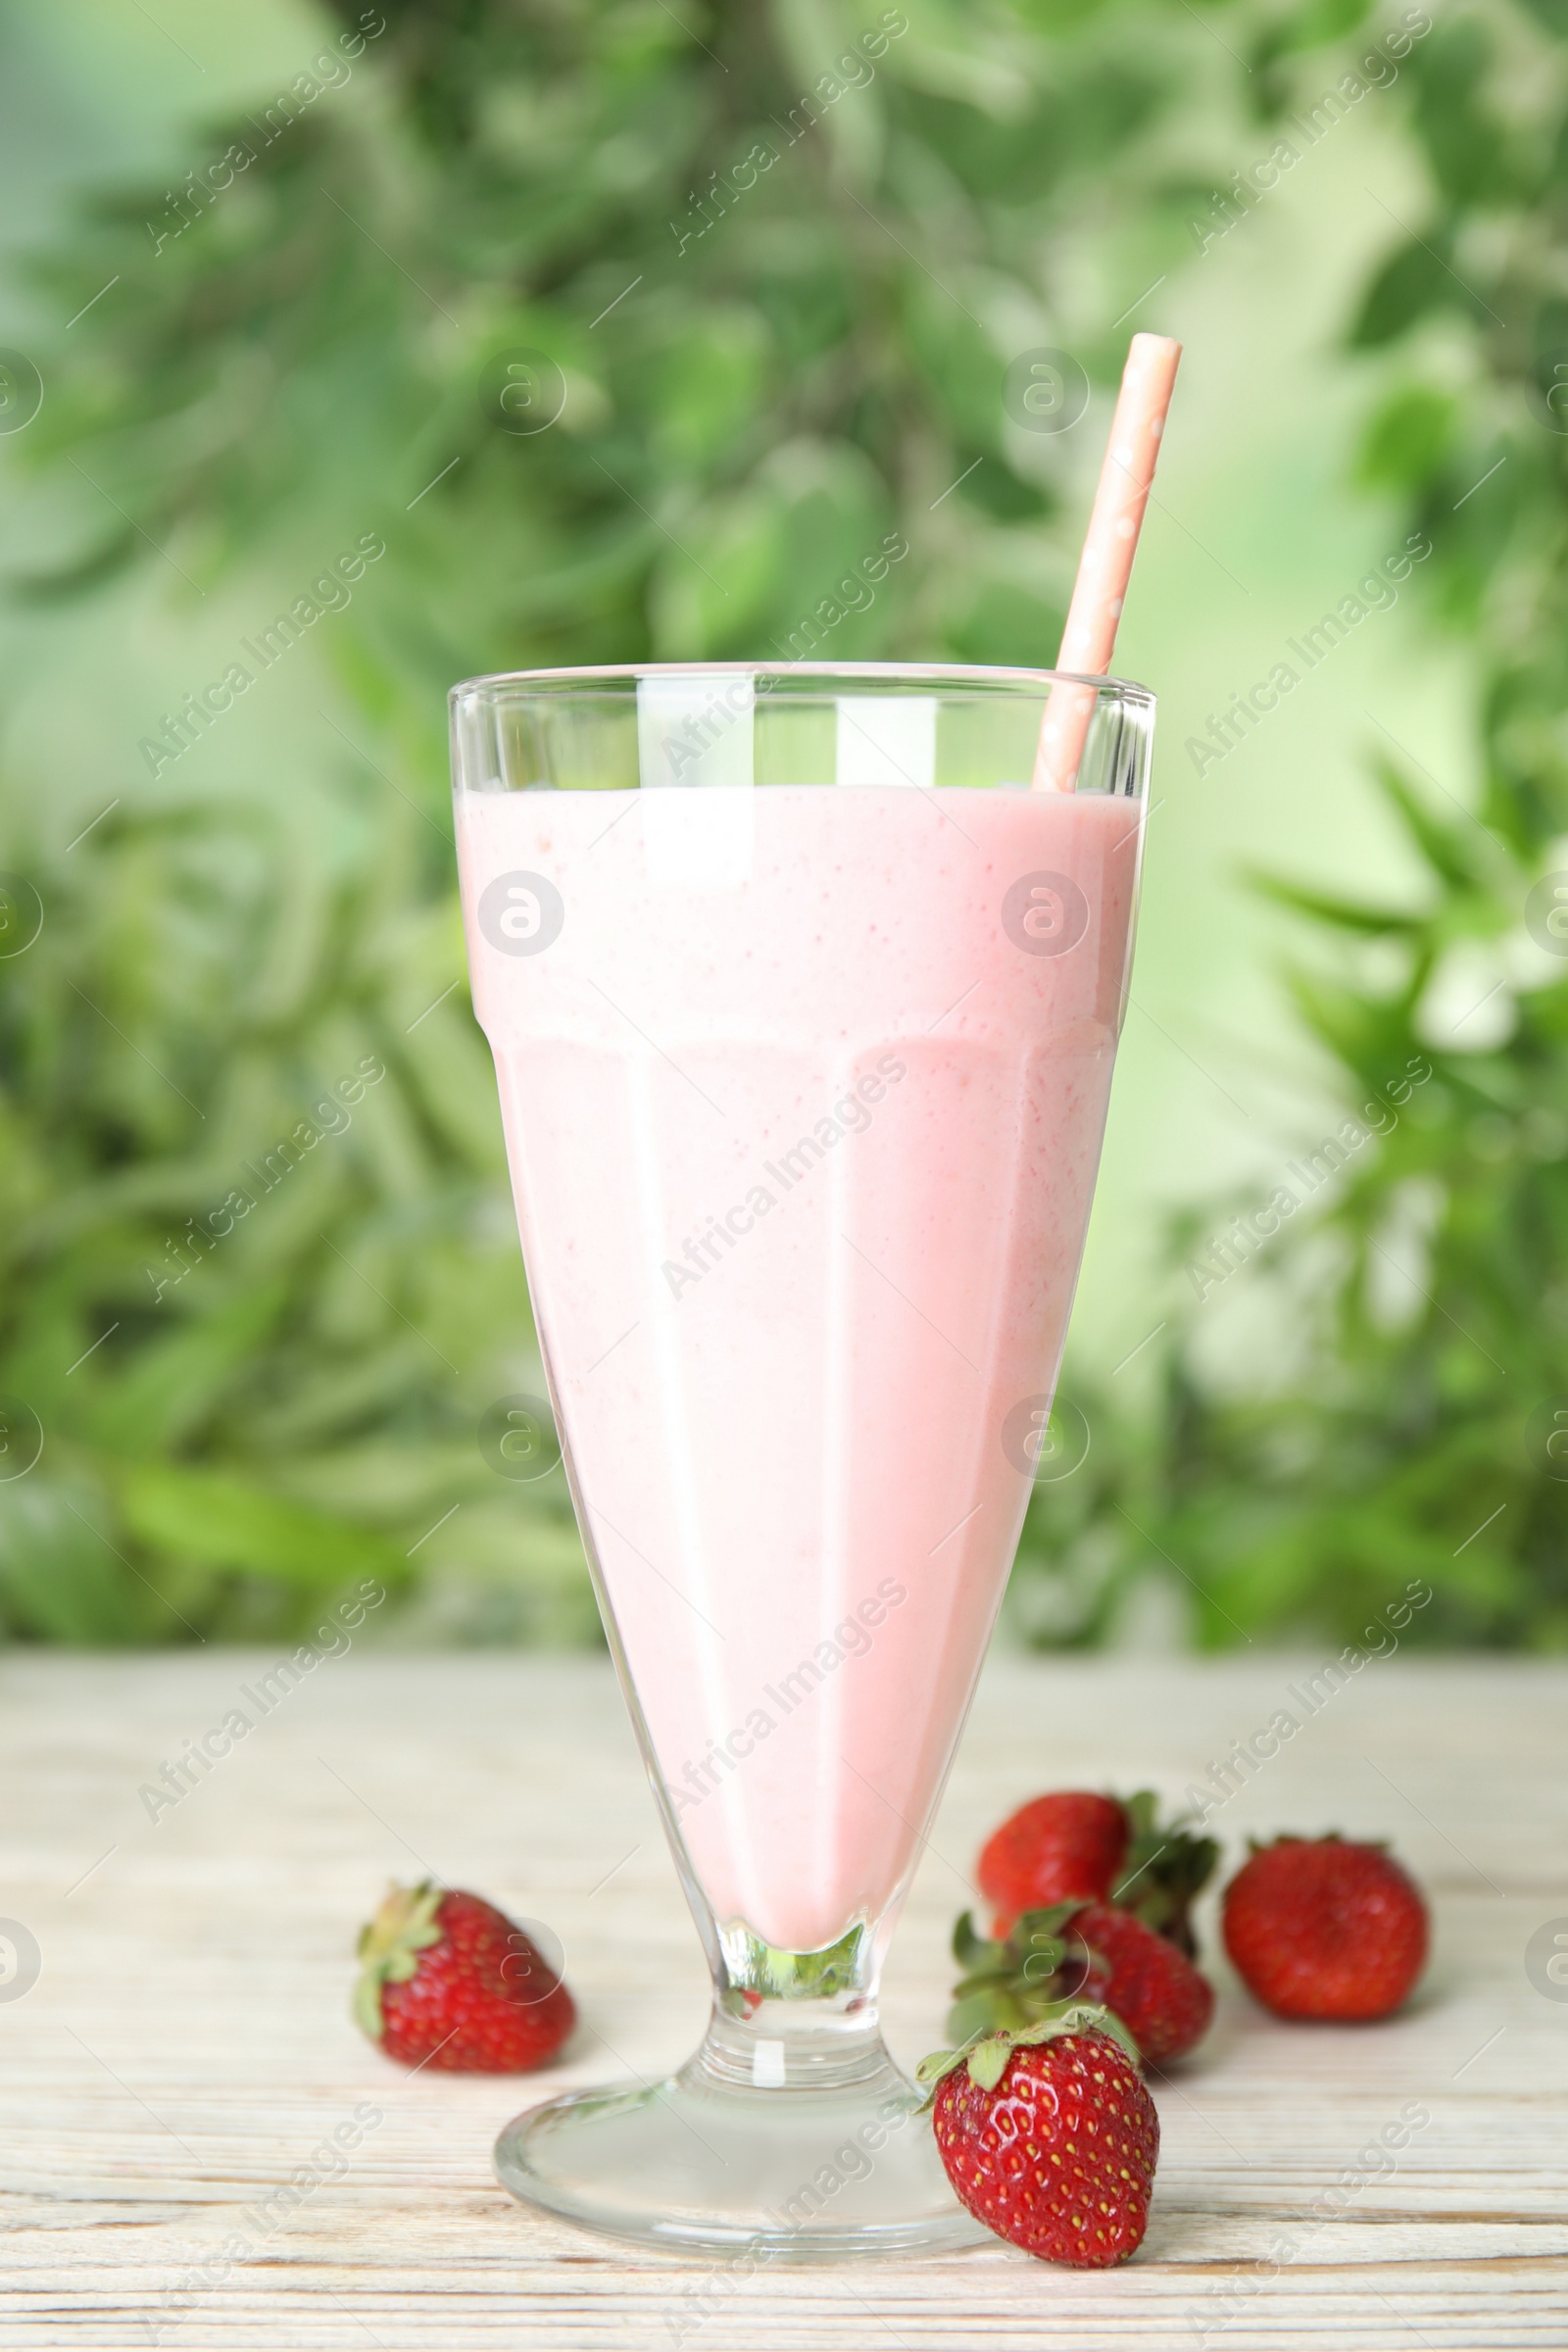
789,2136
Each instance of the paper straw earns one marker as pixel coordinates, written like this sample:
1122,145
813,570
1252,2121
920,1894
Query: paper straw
1090,638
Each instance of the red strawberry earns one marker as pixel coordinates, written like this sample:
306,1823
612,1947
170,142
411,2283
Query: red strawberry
1324,1928
1161,1998
1049,2136
1074,1846
449,1981
1058,1847
1081,1951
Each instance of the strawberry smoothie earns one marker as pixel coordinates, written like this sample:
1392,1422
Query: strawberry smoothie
804,1090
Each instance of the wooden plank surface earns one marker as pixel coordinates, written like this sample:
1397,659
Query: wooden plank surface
186,2045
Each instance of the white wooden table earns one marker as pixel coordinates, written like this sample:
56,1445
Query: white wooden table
188,2046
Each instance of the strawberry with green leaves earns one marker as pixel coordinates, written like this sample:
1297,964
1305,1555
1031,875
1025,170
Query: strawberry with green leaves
1074,1843
1048,2135
447,1980
1087,1951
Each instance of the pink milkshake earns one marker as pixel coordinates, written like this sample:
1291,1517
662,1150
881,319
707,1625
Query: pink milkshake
803,1012
803,1088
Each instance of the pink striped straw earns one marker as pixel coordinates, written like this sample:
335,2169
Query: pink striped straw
1100,588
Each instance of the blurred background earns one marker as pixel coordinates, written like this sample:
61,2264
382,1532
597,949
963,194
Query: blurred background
476,334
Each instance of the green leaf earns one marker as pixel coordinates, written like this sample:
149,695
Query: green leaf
60,1580
179,1379
971,1948
988,2062
219,1519
1409,438
1449,849
1417,281
1346,914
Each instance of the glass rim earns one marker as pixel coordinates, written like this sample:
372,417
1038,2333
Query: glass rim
951,679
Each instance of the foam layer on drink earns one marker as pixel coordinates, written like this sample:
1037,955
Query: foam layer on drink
804,1091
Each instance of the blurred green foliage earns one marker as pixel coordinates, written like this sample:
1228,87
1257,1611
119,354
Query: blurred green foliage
309,341
755,242
1420,1425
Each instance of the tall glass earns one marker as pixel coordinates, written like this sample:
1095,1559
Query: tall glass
803,1009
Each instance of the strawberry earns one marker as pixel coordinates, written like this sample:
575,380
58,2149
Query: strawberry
1165,2001
1049,2136
1322,1927
1092,1951
448,1982
1068,1844
1097,1849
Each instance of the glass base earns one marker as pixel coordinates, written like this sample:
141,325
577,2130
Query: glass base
761,2149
